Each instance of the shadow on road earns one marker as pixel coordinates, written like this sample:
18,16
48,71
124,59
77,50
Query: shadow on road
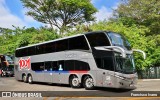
52,84
112,89
96,88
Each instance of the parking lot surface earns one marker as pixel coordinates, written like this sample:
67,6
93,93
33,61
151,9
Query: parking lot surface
10,84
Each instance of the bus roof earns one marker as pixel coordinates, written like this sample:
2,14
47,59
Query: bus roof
50,41
61,39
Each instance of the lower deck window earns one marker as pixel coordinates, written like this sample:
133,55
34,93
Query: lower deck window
66,65
37,66
105,63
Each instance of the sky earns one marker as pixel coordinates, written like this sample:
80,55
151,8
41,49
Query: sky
12,12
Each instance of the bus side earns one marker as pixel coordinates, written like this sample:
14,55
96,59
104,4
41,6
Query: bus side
45,67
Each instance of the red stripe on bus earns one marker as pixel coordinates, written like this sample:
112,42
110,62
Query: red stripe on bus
74,71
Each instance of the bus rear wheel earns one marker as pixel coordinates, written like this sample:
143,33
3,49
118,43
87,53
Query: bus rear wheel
88,83
74,82
30,79
24,78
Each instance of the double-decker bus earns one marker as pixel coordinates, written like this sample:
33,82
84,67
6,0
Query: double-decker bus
101,58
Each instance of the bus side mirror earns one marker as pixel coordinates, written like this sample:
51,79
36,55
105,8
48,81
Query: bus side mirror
140,51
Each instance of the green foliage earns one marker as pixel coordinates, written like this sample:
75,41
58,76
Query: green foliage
60,13
141,12
12,39
145,15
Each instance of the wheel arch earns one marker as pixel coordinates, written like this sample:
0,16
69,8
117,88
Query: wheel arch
23,75
73,75
85,75
29,74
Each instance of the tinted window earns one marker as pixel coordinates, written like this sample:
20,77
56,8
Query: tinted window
69,65
31,51
37,66
17,54
108,63
98,39
55,65
48,66
23,52
79,65
61,65
50,47
99,62
105,63
62,45
78,43
40,49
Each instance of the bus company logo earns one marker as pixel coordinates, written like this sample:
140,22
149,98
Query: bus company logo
25,63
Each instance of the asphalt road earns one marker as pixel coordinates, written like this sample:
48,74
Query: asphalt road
10,84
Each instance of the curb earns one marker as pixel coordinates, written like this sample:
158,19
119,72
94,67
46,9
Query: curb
149,80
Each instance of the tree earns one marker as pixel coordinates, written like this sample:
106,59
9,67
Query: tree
19,37
60,13
140,12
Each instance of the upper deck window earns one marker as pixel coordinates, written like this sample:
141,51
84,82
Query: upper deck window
119,40
98,39
78,43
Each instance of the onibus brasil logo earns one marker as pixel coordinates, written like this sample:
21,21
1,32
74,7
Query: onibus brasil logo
25,63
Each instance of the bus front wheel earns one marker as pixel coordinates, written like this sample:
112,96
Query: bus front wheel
74,82
30,79
88,83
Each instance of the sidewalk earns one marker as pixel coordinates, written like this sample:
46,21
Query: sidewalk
148,79
148,85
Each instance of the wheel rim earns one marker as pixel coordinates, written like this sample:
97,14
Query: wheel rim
89,82
24,78
30,79
75,82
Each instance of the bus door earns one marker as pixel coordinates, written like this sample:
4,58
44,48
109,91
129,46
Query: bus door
106,73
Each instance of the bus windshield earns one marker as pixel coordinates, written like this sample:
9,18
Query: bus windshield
118,40
125,65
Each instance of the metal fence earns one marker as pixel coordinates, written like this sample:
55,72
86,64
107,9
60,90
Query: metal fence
150,73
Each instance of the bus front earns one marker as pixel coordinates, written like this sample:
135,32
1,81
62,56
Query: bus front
117,65
124,60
